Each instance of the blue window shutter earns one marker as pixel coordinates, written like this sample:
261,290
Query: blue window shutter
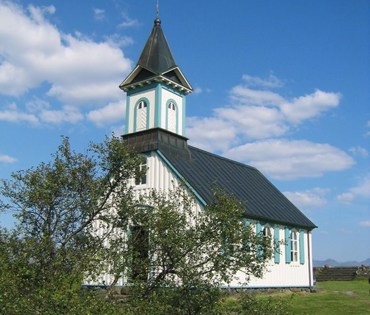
287,246
246,223
258,227
301,247
258,232
276,245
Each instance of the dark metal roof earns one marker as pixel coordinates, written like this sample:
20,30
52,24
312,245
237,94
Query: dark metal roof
156,55
204,171
156,64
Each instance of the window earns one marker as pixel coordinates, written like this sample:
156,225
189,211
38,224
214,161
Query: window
141,180
267,241
171,106
267,233
293,246
141,115
171,116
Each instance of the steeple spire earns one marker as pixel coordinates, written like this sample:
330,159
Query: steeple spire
156,63
156,55
157,10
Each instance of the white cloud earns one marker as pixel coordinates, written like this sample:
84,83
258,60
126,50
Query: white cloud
359,151
13,80
17,116
362,190
34,51
308,199
117,40
37,105
247,96
99,14
287,160
294,111
254,122
211,134
262,114
111,113
197,90
367,134
127,22
259,116
309,106
67,114
365,223
254,81
7,159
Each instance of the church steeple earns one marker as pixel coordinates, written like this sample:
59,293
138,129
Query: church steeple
156,55
156,88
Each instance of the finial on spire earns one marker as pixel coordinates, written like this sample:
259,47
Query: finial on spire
157,20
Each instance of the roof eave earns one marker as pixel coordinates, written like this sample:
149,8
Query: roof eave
126,86
181,76
130,77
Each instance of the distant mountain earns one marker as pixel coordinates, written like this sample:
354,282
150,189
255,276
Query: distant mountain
334,263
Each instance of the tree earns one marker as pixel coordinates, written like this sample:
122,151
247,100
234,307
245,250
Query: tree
57,204
78,219
191,253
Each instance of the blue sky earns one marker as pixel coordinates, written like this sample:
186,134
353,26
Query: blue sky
279,85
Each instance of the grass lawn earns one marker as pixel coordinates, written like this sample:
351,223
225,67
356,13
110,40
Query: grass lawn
334,297
330,298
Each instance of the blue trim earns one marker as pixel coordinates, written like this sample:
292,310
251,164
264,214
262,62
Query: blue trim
158,106
144,88
288,246
276,245
246,223
153,86
157,87
259,249
183,118
301,247
258,228
202,201
128,102
172,90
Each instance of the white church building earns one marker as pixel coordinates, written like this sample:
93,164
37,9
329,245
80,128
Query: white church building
156,104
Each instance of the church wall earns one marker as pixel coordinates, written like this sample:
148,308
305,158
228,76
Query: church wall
278,274
281,274
159,177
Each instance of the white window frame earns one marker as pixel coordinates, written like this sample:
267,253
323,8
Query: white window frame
144,179
294,246
171,116
141,115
